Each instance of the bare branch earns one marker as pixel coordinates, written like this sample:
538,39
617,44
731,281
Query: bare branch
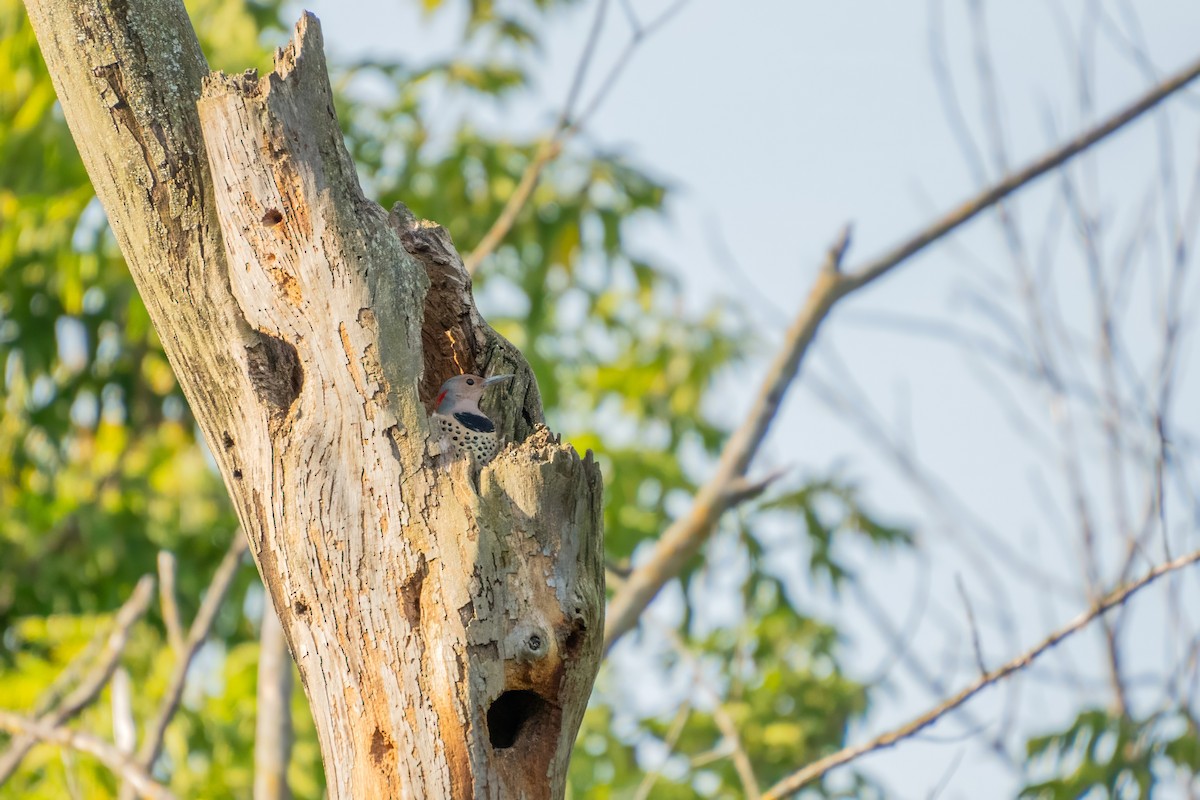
640,34
670,740
547,152
168,600
683,539
798,780
581,69
725,723
976,644
197,634
89,689
1019,179
121,764
273,711
124,727
567,126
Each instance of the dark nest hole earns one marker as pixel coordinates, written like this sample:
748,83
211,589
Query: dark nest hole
511,714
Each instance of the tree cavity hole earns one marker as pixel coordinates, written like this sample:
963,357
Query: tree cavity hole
510,713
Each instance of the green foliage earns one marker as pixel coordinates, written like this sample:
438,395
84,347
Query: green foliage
1102,754
781,687
103,467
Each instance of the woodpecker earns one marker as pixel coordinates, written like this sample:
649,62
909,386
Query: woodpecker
459,423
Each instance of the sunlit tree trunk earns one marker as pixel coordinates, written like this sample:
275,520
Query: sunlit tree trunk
446,622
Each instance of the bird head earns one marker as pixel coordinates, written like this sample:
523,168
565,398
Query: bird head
464,390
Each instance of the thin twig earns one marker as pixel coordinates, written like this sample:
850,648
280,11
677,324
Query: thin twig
684,538
623,60
955,763
121,764
567,125
975,642
547,152
670,740
743,489
581,69
802,777
72,673
169,602
1017,180
95,680
197,634
725,723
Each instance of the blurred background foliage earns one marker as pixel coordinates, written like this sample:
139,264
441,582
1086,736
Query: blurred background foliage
102,466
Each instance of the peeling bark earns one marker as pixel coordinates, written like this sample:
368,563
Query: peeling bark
446,622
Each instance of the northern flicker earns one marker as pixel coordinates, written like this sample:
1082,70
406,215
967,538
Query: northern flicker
459,423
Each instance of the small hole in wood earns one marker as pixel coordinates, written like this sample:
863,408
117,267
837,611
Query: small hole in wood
272,217
237,474
511,714
574,640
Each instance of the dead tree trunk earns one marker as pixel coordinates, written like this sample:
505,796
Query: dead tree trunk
446,622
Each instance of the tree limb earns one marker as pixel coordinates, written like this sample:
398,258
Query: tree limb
546,152
89,689
121,764
168,600
802,777
273,712
197,634
683,539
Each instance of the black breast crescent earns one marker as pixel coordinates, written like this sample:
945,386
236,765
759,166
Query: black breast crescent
475,422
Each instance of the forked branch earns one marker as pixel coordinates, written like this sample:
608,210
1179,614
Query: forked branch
93,682
683,539
802,777
122,765
201,626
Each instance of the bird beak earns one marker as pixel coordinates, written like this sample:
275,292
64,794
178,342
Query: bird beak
495,379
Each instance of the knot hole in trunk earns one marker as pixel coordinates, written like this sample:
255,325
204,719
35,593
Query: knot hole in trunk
275,373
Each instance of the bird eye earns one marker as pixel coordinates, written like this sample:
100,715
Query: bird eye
470,382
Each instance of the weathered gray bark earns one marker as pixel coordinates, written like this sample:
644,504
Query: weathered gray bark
446,623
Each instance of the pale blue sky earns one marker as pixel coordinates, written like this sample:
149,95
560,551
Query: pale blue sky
780,121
